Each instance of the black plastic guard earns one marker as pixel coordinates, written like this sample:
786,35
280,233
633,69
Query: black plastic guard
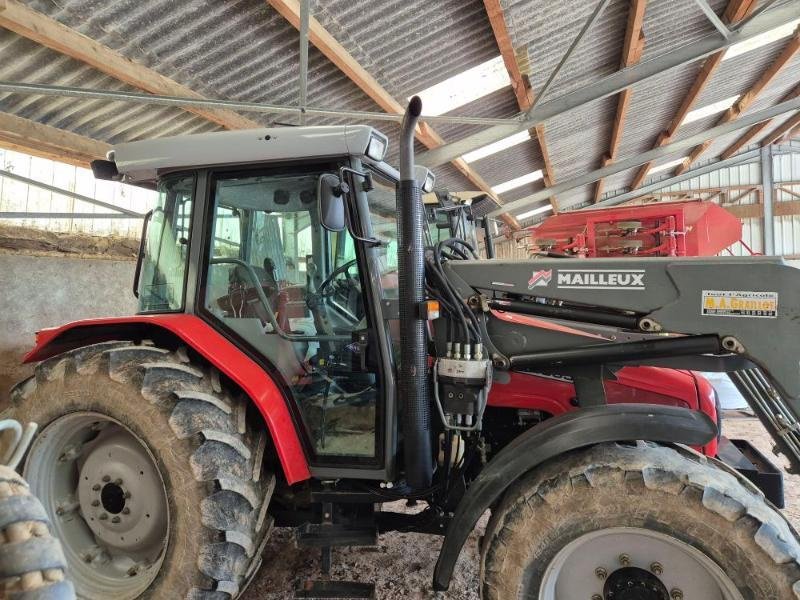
585,427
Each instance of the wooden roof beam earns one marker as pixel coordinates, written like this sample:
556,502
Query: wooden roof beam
740,106
339,56
632,49
521,86
785,129
754,131
37,139
735,11
48,32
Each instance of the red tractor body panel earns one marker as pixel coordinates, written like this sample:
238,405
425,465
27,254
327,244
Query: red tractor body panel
215,348
554,396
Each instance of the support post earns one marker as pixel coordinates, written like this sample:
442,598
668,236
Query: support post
766,186
304,17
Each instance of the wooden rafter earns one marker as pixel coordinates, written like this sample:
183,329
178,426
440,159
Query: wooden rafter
746,100
339,56
632,49
755,130
735,11
521,86
781,131
23,135
46,31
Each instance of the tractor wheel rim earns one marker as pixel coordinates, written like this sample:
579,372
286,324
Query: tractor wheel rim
107,502
635,563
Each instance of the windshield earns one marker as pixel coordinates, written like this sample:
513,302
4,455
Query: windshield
166,248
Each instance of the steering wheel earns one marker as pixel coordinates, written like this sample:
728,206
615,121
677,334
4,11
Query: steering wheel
341,269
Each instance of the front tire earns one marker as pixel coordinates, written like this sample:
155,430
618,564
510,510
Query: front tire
149,470
654,522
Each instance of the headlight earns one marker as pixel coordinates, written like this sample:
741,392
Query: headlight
376,149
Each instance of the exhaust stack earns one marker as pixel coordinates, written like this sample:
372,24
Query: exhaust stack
414,392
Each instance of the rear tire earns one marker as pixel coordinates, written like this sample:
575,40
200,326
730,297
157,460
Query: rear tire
679,523
32,565
176,419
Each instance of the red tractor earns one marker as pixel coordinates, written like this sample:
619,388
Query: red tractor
300,357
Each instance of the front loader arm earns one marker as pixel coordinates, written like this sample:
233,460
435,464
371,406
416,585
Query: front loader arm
736,314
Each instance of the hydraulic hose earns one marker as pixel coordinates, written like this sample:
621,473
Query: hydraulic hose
414,392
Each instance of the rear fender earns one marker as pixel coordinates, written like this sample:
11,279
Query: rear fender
206,341
554,437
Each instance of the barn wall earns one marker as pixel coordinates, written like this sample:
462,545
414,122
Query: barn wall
45,291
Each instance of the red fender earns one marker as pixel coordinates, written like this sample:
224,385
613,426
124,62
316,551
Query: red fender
215,348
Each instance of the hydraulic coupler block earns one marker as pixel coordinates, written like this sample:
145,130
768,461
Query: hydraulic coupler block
461,388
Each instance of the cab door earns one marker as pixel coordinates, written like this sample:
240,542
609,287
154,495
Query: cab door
298,297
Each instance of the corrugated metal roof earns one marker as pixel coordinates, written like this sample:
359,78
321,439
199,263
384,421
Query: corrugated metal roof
244,50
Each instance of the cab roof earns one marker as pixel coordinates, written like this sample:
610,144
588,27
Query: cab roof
141,161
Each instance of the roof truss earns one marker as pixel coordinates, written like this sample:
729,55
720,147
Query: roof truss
631,53
614,84
48,32
521,85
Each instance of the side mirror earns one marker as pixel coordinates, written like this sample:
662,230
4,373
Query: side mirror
330,202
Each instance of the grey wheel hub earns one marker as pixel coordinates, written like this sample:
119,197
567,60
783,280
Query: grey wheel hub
107,502
118,492
632,563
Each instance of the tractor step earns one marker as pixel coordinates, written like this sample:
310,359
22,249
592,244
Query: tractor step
320,535
336,590
750,462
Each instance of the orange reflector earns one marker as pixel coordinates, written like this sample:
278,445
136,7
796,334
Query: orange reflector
431,310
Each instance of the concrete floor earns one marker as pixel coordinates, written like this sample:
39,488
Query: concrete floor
402,565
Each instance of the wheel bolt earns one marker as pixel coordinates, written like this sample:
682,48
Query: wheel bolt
656,568
601,573
133,571
676,594
126,511
127,495
96,487
624,560
118,481
95,502
103,516
106,478
115,520
59,511
597,597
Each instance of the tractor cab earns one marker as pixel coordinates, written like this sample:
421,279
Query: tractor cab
284,261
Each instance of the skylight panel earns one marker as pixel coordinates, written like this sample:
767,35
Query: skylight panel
465,87
517,182
667,165
535,211
485,151
763,39
708,110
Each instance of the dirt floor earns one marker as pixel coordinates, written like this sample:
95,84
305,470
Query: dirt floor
402,565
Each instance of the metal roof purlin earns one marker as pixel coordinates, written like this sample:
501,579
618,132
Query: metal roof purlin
656,153
747,99
613,84
750,156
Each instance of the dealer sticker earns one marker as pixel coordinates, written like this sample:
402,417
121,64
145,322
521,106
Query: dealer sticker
759,305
